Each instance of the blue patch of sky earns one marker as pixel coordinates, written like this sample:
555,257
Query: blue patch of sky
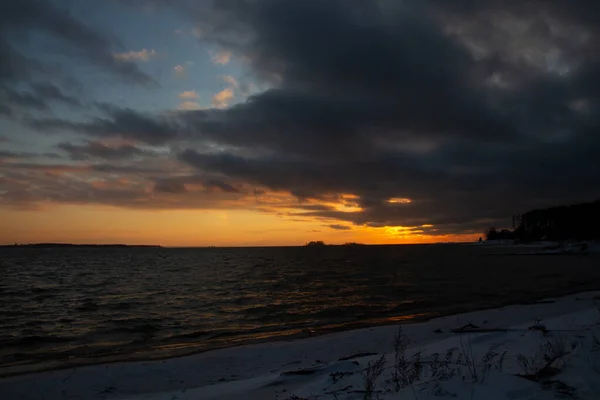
172,38
167,33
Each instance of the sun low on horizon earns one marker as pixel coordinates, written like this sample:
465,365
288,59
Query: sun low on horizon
195,228
204,123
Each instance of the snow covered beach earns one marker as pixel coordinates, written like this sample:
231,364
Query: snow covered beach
544,350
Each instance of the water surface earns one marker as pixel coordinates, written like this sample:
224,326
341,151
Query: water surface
66,306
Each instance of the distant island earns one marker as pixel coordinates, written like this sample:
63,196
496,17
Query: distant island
55,245
320,243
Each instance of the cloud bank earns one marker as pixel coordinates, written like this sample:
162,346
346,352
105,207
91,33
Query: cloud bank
472,110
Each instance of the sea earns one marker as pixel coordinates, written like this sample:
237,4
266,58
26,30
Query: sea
72,306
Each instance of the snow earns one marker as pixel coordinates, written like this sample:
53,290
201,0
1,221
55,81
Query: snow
543,247
333,366
585,247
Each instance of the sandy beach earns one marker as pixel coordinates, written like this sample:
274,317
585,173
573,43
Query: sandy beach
334,366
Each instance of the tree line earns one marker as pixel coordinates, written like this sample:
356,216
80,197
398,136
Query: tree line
570,222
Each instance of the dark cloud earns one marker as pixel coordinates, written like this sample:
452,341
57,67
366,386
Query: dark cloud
105,168
9,154
50,92
386,101
5,154
170,186
579,12
5,110
223,186
21,99
110,168
118,122
23,65
38,97
339,227
472,110
100,150
28,184
178,184
52,188
13,65
22,18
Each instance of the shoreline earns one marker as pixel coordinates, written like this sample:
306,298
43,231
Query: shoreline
275,337
246,362
461,283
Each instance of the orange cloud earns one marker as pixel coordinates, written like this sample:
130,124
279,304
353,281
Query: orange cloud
189,105
222,98
231,80
188,95
179,70
399,200
221,57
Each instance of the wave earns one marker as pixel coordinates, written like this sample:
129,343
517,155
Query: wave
35,340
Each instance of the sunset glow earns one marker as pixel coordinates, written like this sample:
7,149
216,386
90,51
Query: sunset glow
108,225
191,123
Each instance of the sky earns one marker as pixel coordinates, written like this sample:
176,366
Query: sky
269,122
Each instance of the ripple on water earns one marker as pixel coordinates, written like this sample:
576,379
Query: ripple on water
58,303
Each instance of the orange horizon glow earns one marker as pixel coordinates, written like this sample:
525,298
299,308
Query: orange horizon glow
93,224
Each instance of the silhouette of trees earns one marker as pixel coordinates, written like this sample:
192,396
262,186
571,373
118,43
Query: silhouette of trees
493,234
573,222
490,233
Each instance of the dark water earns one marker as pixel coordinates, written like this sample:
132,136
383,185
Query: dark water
75,305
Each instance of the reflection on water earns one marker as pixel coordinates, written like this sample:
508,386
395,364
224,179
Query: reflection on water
75,305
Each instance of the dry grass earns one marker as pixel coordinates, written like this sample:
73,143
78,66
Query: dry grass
371,375
406,371
593,358
479,368
547,359
442,368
